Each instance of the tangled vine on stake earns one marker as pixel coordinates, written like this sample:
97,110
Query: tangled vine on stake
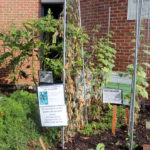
76,38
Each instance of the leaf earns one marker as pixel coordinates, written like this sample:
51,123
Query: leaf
147,52
4,56
146,64
55,37
66,66
100,146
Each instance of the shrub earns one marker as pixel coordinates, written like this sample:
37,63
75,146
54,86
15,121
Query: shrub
19,123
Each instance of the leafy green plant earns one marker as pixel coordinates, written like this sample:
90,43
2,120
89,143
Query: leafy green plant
100,146
51,47
105,122
23,44
128,144
100,65
148,138
141,74
20,125
103,56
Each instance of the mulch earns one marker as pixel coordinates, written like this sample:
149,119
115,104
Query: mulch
113,142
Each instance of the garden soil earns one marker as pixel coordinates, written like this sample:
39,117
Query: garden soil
119,141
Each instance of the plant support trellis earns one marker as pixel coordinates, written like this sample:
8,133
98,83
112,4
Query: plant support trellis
64,63
83,68
132,105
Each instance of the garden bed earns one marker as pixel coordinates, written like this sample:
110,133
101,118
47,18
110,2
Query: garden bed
113,142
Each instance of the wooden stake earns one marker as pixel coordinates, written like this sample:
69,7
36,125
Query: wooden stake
42,143
127,116
114,119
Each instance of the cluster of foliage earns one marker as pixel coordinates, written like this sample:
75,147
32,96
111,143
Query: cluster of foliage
141,74
100,65
99,146
23,44
76,37
105,121
99,62
20,126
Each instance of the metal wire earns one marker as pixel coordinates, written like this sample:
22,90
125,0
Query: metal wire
83,68
138,20
109,12
64,63
109,20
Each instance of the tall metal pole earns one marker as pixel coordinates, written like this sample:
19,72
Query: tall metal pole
109,12
138,12
131,106
138,16
83,68
64,63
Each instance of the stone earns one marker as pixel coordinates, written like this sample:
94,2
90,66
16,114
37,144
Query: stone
147,124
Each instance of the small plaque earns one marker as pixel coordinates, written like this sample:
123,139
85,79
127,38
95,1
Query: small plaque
113,96
45,77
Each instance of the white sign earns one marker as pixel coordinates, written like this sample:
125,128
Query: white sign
53,116
132,9
112,96
52,105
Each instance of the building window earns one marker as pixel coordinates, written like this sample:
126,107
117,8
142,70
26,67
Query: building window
56,9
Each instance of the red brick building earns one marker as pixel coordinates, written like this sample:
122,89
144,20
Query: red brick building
97,11
93,12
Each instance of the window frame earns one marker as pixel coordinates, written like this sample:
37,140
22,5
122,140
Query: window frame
52,1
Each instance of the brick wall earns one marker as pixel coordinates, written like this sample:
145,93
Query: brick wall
96,12
18,11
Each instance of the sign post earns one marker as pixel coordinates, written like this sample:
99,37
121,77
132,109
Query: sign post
113,96
114,119
52,106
